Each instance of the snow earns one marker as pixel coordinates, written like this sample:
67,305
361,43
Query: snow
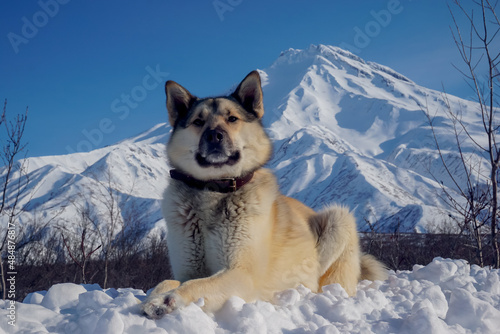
445,296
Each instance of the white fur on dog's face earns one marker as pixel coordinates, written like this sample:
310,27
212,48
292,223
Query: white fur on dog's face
246,146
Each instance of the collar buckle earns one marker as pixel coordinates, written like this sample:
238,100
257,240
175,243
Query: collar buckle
232,185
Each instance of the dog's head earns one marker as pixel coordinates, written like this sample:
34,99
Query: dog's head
217,137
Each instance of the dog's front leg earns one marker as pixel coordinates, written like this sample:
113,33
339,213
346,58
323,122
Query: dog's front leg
215,290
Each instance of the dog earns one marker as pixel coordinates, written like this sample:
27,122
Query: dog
230,230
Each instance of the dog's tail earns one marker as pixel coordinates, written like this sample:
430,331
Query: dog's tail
372,269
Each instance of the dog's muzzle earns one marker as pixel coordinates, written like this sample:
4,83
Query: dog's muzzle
216,149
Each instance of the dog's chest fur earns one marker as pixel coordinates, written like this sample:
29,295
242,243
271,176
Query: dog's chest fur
207,230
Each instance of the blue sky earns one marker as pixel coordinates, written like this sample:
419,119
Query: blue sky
92,72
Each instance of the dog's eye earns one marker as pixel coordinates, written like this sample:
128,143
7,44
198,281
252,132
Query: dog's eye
232,119
199,122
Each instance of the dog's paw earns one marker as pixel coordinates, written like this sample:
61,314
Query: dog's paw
157,306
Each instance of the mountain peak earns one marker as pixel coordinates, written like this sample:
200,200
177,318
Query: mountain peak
336,57
320,49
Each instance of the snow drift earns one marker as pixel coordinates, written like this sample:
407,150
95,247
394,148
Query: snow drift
446,296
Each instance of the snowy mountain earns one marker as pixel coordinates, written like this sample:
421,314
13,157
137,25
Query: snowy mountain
344,130
354,132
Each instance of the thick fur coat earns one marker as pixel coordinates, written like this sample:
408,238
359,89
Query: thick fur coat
248,240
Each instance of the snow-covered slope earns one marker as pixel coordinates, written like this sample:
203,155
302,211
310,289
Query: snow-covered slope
345,131
354,132
446,296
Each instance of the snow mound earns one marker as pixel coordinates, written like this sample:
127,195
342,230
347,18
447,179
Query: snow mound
446,296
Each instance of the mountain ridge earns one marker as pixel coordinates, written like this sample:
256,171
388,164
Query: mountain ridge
345,131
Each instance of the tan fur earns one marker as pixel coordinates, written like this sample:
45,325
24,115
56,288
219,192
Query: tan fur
253,242
371,269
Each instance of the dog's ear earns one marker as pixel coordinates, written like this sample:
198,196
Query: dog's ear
179,100
249,94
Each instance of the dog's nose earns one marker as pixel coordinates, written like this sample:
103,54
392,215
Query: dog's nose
214,136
